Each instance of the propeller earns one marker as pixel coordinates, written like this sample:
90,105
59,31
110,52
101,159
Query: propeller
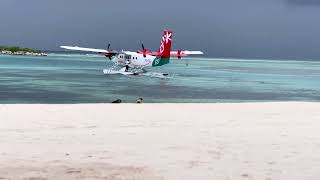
110,53
144,50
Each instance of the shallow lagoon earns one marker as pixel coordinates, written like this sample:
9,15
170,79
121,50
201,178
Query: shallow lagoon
62,78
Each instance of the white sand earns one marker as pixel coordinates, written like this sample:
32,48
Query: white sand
263,141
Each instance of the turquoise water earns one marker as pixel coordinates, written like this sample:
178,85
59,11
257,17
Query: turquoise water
61,78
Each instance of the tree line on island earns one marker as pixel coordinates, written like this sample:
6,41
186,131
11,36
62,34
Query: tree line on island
15,50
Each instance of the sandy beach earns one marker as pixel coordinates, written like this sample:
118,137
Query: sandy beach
263,141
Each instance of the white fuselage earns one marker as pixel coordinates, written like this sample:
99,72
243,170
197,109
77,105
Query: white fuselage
134,60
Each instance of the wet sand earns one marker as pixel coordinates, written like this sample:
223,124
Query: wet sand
262,141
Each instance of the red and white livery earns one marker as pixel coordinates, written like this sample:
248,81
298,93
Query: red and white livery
135,62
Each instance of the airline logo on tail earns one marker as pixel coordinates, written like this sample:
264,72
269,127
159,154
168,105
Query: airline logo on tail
165,39
165,45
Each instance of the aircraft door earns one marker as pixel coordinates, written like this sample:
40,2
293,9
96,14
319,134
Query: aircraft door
121,58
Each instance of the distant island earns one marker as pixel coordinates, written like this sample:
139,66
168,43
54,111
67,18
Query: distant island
13,50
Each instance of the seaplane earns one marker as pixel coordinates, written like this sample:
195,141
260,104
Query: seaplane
138,62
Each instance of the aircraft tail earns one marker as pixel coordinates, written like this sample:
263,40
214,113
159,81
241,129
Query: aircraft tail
165,48
165,45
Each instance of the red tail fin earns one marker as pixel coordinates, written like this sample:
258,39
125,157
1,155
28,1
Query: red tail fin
165,45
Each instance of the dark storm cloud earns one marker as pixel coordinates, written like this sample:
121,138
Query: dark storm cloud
221,28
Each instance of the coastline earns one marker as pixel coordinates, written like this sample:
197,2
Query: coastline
22,53
272,140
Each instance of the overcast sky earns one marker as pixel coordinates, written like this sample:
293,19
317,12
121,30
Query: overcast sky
276,29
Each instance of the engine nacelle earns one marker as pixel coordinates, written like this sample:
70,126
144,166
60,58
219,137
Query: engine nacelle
179,54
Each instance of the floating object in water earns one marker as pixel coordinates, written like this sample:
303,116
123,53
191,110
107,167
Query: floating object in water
140,100
117,101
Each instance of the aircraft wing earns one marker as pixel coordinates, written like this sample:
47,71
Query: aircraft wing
149,53
185,53
76,48
173,53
